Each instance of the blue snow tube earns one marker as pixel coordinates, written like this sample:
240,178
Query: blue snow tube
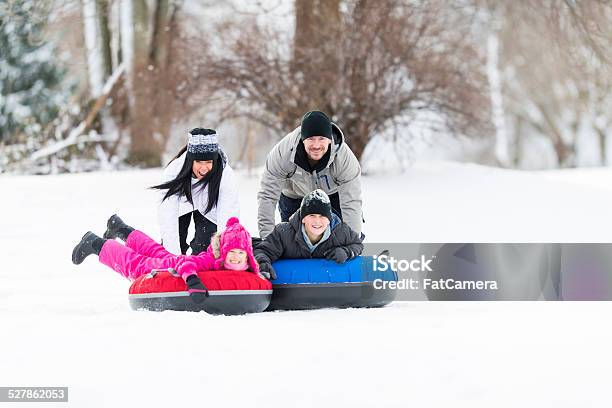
319,283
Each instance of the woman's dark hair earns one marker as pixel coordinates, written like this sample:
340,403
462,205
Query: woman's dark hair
181,185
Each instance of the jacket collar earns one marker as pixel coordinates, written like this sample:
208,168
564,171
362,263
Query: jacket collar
310,245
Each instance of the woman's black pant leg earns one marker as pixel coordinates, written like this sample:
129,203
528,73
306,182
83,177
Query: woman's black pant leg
184,221
204,230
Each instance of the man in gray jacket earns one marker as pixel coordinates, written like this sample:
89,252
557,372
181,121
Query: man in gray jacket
313,156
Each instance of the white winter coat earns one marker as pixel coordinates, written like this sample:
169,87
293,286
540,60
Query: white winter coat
173,207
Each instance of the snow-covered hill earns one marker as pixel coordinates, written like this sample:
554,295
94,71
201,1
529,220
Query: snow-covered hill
63,325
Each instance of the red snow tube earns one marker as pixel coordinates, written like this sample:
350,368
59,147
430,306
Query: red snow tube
230,292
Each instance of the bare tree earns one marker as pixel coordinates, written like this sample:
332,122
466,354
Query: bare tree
369,64
315,59
135,37
579,26
556,80
97,42
147,33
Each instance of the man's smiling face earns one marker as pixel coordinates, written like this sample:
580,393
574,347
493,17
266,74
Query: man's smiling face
316,147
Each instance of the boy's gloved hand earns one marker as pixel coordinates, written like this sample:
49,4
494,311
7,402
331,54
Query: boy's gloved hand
266,269
197,291
338,254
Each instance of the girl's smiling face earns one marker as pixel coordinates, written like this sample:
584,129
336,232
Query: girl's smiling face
201,167
236,257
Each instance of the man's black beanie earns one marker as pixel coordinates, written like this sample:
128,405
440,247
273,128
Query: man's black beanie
316,123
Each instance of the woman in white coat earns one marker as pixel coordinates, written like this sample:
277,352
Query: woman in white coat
198,183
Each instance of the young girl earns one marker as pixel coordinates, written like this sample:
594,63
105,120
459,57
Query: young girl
197,183
231,250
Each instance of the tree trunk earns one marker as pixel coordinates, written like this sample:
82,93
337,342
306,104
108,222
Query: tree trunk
495,80
145,147
161,55
303,28
357,134
97,41
564,152
518,141
603,146
103,9
315,60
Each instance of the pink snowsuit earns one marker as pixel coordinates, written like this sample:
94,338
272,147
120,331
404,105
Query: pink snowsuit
141,254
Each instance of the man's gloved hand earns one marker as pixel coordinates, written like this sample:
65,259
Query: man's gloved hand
338,254
266,269
197,291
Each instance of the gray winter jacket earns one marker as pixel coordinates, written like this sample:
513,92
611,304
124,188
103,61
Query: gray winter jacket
287,171
287,241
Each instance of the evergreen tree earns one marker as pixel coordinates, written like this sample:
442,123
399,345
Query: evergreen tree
30,91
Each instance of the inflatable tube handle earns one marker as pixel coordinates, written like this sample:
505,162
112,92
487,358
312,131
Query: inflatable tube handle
154,272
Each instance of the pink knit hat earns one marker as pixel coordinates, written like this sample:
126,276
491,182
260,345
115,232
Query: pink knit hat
236,236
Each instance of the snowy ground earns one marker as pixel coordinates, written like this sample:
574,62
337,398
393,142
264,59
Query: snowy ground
63,325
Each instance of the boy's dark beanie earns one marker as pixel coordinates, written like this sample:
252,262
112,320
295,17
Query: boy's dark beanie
316,202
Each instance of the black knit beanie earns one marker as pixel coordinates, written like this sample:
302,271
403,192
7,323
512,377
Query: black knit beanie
316,123
203,144
316,202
